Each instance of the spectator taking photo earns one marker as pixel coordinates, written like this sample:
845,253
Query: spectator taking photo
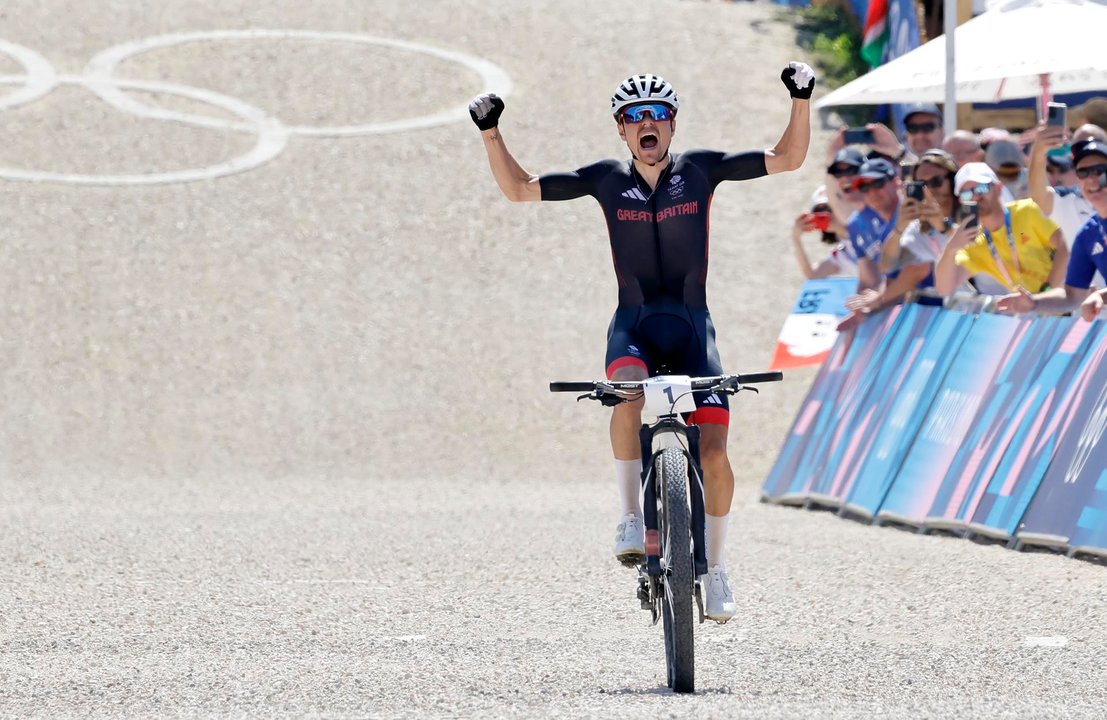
1014,243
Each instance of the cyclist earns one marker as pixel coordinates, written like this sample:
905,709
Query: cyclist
656,205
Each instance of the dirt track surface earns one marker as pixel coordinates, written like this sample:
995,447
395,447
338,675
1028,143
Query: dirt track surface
278,444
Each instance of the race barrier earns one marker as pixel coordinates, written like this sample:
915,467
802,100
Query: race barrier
951,420
810,330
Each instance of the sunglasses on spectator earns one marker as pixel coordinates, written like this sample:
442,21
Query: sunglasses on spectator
1086,172
872,185
969,194
843,170
921,127
935,182
637,113
1054,170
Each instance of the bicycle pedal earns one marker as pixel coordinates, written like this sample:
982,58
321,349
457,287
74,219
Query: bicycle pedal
631,560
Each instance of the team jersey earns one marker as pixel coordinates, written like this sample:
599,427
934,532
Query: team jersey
659,237
867,233
1089,253
1031,269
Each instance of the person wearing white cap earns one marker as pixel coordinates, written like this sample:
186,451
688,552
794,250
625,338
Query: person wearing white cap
1089,247
1015,243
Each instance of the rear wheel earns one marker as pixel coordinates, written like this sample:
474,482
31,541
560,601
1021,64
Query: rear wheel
678,582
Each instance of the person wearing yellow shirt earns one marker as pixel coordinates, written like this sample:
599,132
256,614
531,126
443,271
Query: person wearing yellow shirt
1014,244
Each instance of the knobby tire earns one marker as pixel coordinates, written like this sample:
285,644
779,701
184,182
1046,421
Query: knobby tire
676,602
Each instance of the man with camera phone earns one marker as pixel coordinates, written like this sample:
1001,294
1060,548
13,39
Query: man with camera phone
1015,243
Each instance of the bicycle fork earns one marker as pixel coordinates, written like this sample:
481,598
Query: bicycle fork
670,431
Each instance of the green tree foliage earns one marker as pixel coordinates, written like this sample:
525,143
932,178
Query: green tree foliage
833,36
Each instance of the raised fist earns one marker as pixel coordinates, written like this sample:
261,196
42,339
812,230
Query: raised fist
799,78
485,110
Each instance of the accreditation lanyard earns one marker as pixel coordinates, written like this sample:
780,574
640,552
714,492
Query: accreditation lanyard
1014,252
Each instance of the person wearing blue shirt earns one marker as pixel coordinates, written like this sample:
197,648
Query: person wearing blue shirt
868,228
1089,247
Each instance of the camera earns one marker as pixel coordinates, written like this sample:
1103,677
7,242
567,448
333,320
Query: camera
858,136
820,220
1055,114
914,190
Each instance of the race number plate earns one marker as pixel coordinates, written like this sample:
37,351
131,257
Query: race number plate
668,394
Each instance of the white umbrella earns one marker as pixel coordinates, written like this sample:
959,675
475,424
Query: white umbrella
1015,51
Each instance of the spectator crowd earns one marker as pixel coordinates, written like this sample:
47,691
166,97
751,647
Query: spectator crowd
1018,219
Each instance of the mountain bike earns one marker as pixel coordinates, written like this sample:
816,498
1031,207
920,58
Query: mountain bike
672,501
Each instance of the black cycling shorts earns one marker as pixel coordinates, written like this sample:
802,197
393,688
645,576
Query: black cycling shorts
669,339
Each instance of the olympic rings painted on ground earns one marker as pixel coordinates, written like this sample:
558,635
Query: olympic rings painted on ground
39,79
272,138
493,78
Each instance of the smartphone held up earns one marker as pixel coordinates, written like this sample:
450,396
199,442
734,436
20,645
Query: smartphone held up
1055,114
969,217
858,136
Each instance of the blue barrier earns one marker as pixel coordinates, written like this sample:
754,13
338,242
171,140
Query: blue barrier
853,420
975,463
841,378
956,406
1030,451
931,349
1070,507
940,419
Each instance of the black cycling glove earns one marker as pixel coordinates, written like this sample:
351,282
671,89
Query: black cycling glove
799,78
485,110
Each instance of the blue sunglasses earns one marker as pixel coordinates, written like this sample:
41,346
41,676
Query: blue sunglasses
637,113
972,193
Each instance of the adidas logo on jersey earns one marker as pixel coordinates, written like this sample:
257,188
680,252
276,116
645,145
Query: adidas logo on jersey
635,194
712,399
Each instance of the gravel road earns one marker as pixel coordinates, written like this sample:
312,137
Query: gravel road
278,443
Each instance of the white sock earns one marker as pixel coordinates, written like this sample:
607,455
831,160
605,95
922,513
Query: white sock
715,538
628,473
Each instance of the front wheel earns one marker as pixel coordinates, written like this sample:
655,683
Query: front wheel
678,581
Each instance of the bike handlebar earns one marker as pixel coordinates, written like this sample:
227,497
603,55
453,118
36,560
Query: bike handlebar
572,386
707,383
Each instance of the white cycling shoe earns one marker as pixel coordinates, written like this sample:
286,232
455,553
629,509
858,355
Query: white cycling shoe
718,600
630,541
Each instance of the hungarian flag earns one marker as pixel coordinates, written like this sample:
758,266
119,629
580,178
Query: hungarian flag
875,35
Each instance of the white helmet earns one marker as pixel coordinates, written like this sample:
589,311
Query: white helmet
643,88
